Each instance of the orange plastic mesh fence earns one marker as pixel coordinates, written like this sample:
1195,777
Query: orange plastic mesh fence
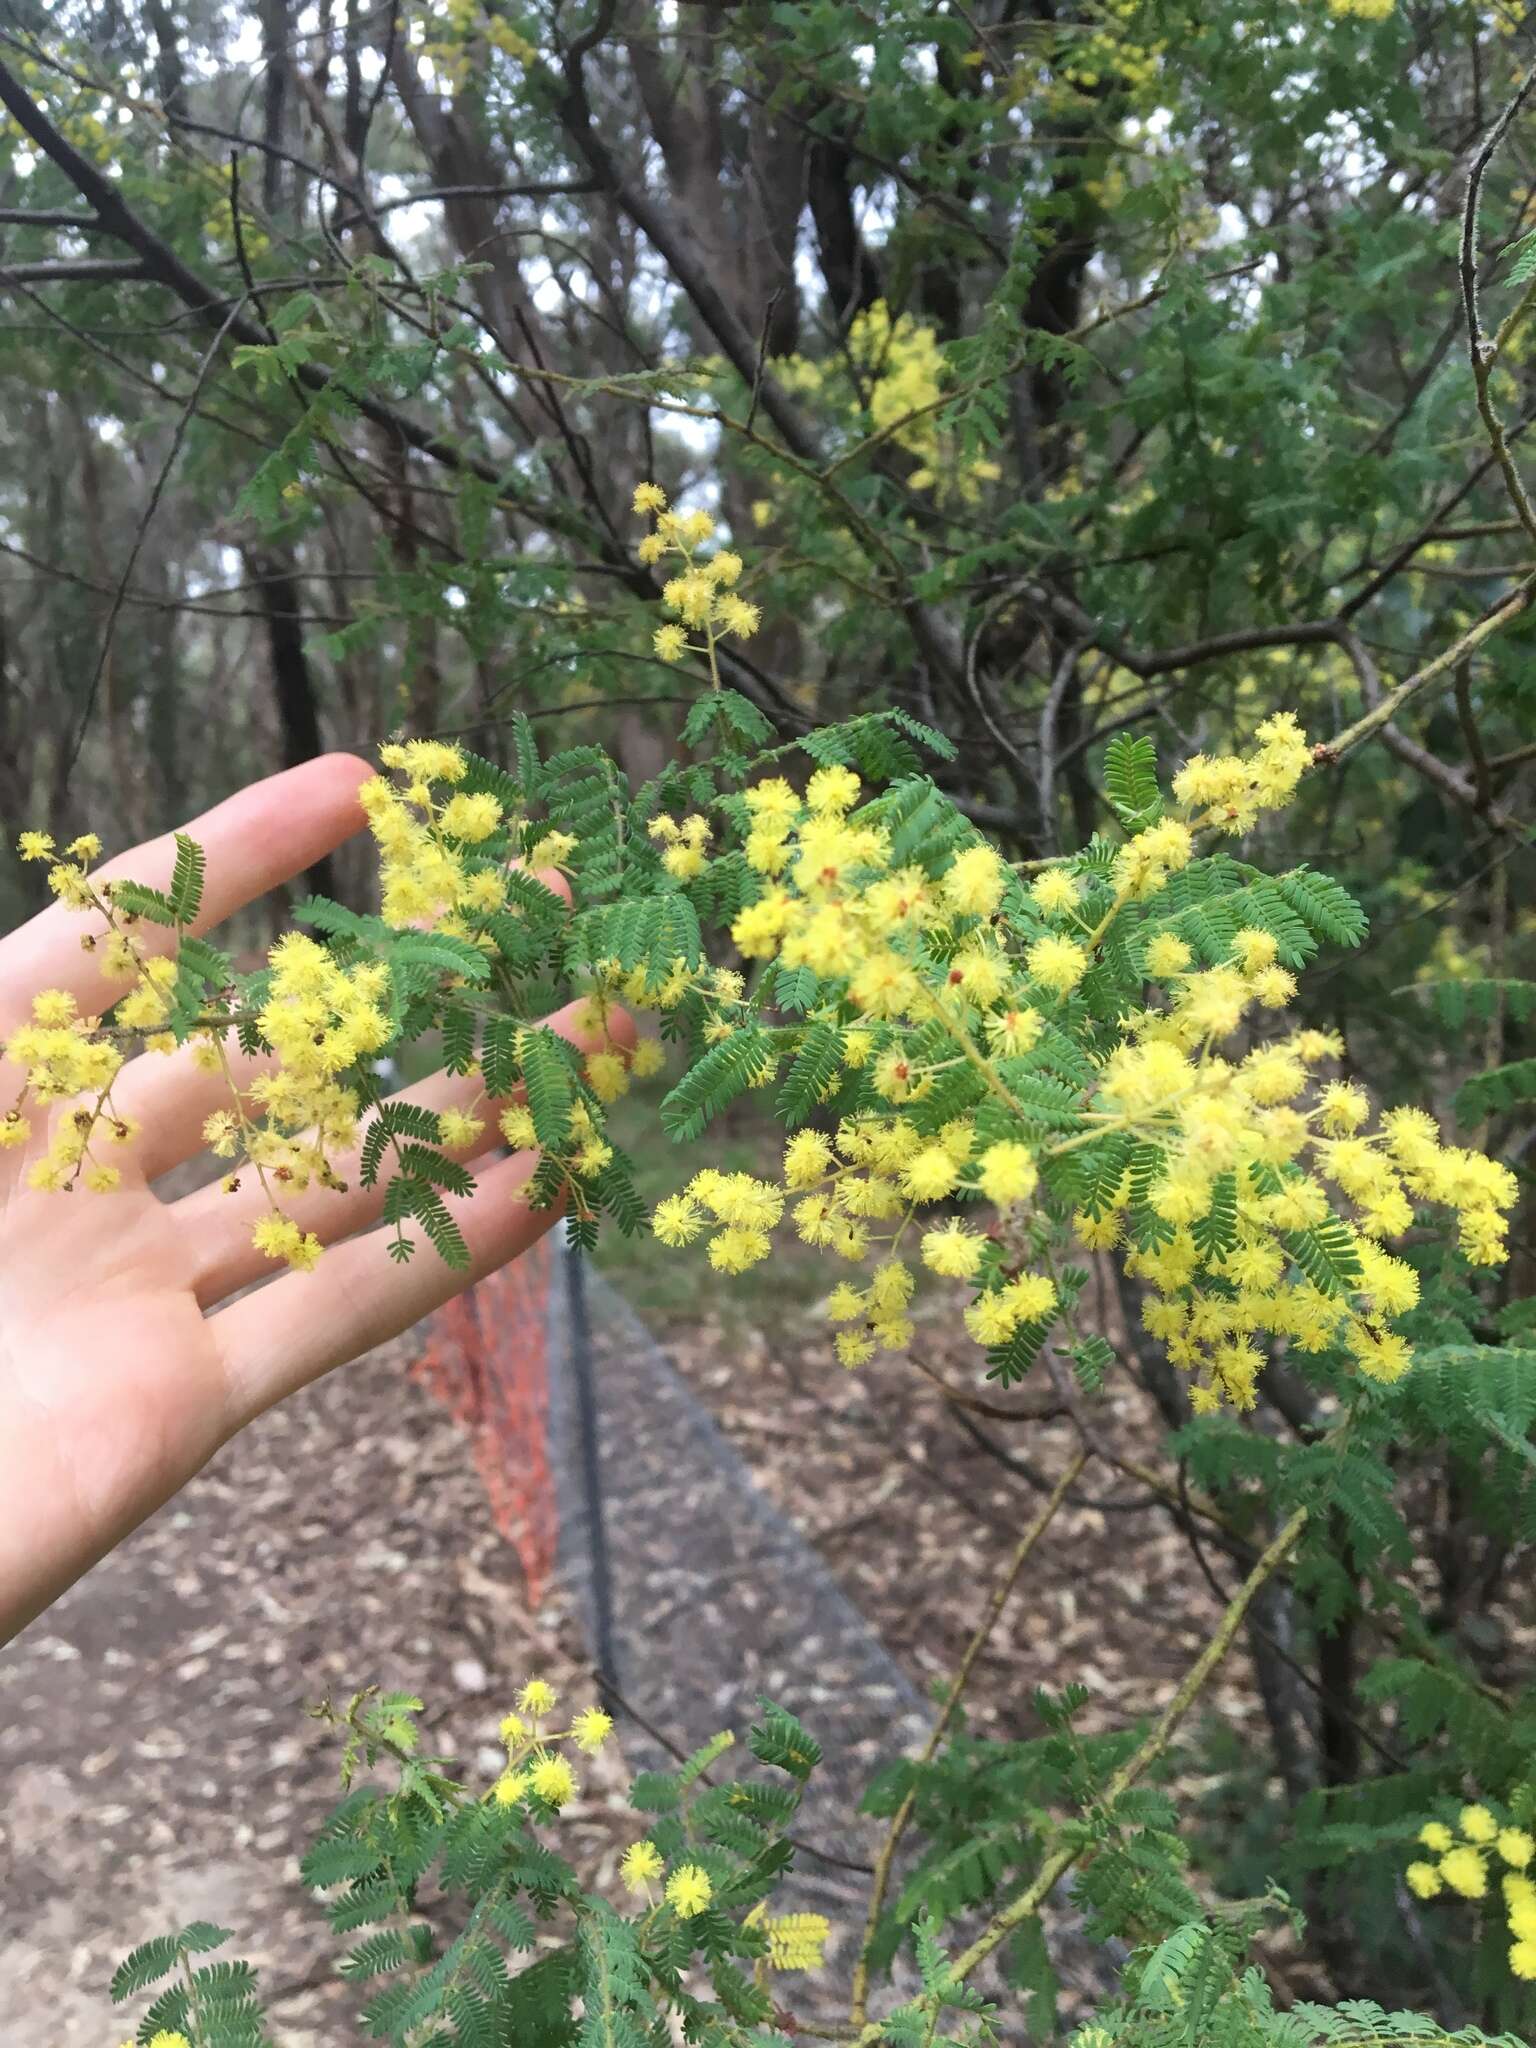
487,1359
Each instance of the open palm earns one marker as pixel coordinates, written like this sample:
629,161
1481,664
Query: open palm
120,1371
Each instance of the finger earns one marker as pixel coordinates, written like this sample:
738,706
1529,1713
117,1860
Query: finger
281,1337
256,839
218,1226
171,1097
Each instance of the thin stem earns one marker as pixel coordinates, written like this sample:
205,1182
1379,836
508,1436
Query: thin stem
1379,715
1060,1861
1195,1680
1482,352
996,1602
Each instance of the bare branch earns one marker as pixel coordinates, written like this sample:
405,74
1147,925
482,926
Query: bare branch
1483,352
24,217
83,270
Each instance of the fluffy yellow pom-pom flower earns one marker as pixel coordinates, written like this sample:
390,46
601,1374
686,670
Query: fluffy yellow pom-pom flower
591,1729
1057,964
689,1891
1008,1172
553,1779
640,1864
973,882
1465,1872
1478,1824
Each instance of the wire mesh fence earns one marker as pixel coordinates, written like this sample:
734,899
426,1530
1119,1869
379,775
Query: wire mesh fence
696,1595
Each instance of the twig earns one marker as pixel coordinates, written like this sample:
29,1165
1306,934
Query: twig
119,596
1476,752
1482,352
1043,1411
1060,1860
996,1602
82,270
1380,714
762,355
1148,1751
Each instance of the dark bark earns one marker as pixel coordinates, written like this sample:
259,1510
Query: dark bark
849,267
274,32
170,72
293,690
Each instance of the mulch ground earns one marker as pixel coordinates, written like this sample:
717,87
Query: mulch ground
916,1518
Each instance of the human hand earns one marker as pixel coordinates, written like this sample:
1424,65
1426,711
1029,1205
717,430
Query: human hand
120,1373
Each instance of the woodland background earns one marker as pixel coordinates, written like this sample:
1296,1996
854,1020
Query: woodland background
1058,369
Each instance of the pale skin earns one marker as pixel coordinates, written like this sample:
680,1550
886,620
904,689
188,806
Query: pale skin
124,1365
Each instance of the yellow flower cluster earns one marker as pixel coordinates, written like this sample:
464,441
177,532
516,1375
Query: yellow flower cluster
1229,791
702,596
61,1058
320,1019
685,842
1252,1153
67,1057
687,1891
429,873
533,1768
899,373
1462,1864
458,29
1106,49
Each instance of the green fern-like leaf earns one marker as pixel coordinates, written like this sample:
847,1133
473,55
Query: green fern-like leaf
410,1195
814,1070
389,1949
1454,1002
1496,1091
336,921
458,1028
144,1966
1326,1254
1324,906
392,1122
1130,781
187,876
781,1740
1215,1233
731,715
133,899
795,988
547,1066
716,1078
615,1997
498,1055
